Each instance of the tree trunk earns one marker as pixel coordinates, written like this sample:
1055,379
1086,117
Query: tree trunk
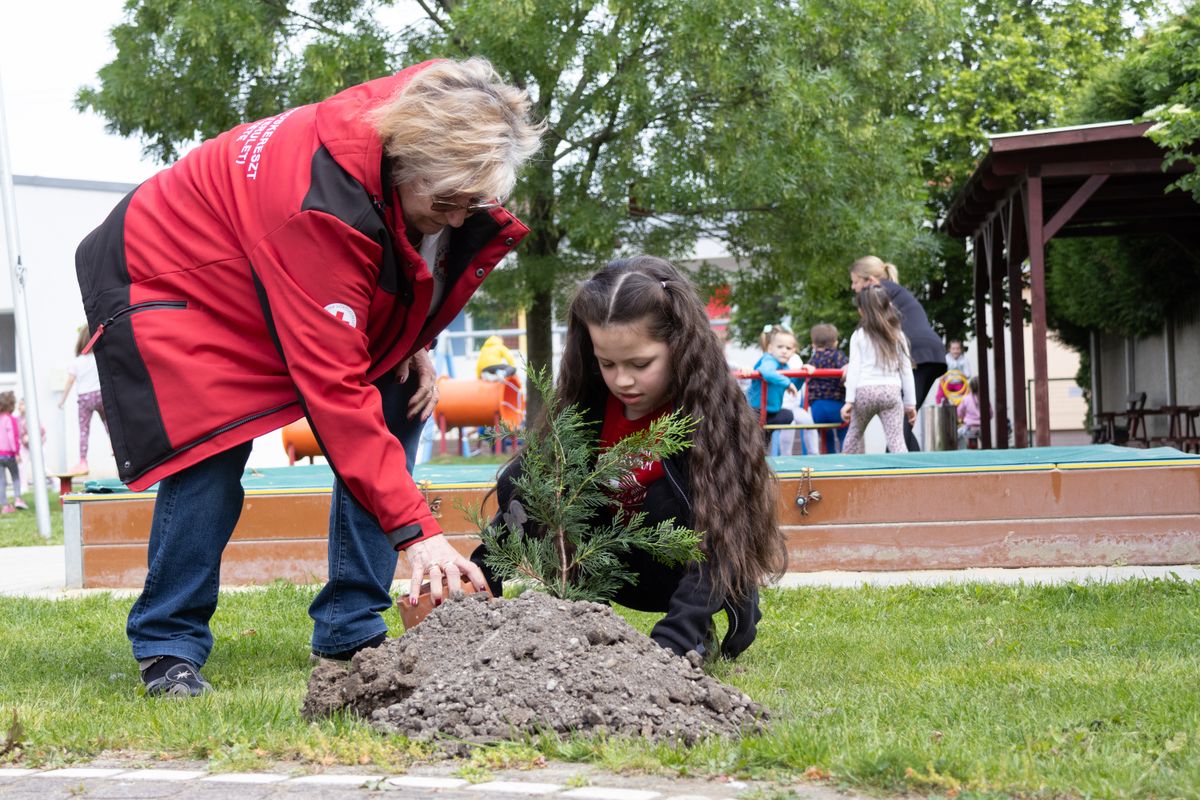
540,322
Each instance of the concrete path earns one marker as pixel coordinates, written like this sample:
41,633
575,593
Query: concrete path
35,571
41,572
556,781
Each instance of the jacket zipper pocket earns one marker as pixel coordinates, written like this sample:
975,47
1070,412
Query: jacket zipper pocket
146,306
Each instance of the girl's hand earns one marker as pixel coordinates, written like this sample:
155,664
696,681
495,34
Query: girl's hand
791,389
808,369
910,413
847,409
436,558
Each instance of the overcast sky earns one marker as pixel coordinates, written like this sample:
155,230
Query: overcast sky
48,49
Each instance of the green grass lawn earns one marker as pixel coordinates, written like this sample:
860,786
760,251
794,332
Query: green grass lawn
20,529
970,691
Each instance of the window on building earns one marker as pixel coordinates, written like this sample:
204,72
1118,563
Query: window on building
8,342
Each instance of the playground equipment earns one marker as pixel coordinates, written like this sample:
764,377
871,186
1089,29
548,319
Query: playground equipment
805,373
299,442
461,404
952,387
474,403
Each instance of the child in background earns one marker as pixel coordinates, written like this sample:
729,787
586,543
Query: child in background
638,345
826,395
957,359
83,376
23,461
10,448
969,416
779,345
879,378
495,361
794,402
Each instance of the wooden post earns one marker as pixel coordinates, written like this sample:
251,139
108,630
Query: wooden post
982,245
1000,237
1016,248
1037,265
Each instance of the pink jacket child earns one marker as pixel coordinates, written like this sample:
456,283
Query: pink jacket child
969,415
10,449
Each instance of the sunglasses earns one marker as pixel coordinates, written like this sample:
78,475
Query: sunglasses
444,206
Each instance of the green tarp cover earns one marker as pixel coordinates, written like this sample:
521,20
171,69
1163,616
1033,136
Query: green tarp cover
319,476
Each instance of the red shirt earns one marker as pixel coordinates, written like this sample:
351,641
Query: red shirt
616,427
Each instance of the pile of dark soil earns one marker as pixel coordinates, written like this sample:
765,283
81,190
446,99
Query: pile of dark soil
480,669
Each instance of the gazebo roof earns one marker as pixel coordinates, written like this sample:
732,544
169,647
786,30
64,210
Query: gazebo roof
1032,186
1131,199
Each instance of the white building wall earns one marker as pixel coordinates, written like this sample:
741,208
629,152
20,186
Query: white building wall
1068,408
53,216
1187,357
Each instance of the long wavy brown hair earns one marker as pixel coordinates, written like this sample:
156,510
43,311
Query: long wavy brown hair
732,489
881,323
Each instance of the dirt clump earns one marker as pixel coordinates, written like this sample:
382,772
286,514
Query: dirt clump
480,670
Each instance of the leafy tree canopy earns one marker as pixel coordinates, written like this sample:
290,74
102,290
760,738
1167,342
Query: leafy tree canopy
1131,285
774,127
1013,66
1159,80
802,134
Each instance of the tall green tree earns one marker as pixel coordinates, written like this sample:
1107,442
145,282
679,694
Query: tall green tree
1014,65
1130,285
769,126
800,134
1157,80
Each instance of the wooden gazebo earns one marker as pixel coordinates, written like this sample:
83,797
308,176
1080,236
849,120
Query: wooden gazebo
1090,180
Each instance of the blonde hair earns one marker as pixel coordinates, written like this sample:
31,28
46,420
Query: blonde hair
875,267
81,338
8,402
456,128
771,331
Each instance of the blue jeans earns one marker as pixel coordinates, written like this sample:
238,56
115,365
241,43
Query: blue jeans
829,411
195,513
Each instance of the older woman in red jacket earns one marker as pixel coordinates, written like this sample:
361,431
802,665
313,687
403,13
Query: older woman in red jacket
298,266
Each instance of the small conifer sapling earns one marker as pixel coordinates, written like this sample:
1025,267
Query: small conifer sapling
549,536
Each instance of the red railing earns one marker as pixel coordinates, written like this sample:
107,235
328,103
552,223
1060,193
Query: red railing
805,372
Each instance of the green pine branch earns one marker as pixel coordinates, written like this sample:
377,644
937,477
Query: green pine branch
548,536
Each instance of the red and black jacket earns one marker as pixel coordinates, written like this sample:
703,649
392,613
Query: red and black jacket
266,276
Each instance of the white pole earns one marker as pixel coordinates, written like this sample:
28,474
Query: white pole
21,320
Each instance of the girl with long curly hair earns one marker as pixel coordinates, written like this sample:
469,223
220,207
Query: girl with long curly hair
639,345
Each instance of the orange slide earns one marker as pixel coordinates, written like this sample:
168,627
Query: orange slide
461,403
468,402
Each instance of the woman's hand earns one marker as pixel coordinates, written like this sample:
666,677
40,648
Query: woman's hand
847,410
424,399
910,414
436,558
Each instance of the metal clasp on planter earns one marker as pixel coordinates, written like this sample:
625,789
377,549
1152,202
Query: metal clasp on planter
806,495
435,504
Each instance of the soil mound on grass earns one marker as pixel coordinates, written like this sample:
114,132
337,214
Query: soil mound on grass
481,669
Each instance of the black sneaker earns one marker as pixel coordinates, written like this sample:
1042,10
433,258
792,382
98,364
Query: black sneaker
171,676
346,655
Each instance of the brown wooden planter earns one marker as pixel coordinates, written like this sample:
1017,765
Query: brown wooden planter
1038,515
